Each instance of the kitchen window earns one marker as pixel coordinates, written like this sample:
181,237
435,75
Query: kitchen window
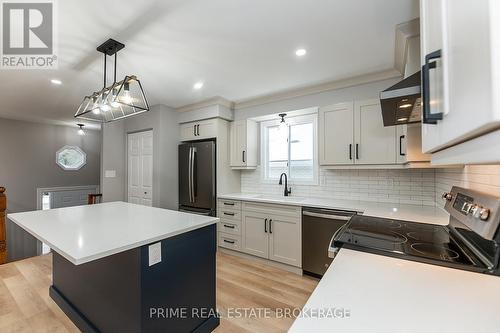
292,149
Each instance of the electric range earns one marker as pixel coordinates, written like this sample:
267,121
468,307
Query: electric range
470,241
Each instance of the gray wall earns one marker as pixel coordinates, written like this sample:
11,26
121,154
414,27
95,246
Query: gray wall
27,162
164,123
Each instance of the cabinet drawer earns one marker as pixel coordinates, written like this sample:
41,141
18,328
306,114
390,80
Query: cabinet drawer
226,204
229,227
229,241
272,209
230,215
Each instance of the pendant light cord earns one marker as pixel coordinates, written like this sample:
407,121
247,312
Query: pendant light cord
115,67
104,70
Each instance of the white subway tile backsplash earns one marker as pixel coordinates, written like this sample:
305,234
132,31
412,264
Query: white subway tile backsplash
415,186
392,186
485,178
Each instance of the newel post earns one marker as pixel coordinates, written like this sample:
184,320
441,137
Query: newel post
3,234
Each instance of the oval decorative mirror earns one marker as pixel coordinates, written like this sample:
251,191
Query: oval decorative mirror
71,158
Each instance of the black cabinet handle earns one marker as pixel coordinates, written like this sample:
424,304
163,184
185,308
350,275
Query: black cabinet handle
229,226
401,146
198,130
357,151
265,225
350,151
230,214
243,156
427,116
271,226
194,130
229,203
228,241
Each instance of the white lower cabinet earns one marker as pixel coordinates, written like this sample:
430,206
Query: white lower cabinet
229,241
229,226
285,240
267,231
255,234
272,232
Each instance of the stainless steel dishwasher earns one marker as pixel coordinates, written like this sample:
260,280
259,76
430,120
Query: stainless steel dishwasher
318,227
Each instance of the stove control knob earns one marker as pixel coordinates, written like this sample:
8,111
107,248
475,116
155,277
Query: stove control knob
447,196
484,214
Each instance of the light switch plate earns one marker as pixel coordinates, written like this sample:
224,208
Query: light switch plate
154,253
109,173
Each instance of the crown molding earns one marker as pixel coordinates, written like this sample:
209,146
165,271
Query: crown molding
217,100
404,32
318,88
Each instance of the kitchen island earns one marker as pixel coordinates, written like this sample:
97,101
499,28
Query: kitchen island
121,267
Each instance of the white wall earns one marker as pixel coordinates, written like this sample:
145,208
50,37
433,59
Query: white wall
163,121
28,161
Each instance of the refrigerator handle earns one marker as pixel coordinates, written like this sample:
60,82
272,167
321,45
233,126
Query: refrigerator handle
189,174
194,177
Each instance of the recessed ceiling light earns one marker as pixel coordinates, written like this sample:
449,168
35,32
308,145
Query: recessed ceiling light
300,52
198,85
56,81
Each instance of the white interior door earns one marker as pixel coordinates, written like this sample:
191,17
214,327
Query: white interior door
140,168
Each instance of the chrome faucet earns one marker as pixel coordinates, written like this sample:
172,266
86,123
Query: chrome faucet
287,190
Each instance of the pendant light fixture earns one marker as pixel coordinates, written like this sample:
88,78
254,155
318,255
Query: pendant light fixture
283,127
81,131
119,100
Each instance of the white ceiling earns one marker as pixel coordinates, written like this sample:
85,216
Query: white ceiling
238,48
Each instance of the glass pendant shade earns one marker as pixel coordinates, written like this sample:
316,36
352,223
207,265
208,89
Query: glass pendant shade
120,100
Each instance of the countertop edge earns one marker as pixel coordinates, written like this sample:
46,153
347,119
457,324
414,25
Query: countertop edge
87,259
437,214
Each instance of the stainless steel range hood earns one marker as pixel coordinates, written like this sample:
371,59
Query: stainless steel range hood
401,103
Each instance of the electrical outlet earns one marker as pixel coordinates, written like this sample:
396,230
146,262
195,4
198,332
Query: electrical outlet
154,254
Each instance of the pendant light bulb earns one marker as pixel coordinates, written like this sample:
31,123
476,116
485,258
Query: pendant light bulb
81,131
127,99
114,103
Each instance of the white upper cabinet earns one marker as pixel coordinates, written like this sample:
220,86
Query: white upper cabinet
336,134
199,130
243,144
354,133
374,143
460,43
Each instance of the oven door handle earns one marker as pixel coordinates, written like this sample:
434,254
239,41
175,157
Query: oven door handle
333,250
327,216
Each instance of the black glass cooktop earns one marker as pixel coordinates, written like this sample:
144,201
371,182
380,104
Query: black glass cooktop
408,240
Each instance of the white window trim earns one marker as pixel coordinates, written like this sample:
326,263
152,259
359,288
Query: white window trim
297,120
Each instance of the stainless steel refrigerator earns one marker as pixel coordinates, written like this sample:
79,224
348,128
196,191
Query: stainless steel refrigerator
197,185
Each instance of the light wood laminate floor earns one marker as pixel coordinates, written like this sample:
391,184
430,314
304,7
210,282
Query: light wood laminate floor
244,286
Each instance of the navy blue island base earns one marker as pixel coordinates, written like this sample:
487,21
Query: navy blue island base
122,293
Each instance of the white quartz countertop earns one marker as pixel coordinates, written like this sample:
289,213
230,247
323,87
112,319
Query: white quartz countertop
415,213
85,233
384,294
